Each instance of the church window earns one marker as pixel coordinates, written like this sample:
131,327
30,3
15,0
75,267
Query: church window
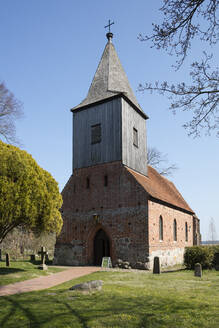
95,133
88,183
135,137
174,230
161,228
186,231
105,180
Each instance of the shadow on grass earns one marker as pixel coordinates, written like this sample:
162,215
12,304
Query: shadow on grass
173,271
10,270
69,310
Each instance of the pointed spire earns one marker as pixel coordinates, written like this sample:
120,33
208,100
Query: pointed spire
110,79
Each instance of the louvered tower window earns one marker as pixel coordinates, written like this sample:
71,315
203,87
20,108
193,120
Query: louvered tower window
95,133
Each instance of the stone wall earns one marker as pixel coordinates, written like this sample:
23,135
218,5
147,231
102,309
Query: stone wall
168,257
120,209
123,209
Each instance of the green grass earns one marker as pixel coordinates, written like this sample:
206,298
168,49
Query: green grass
128,299
22,270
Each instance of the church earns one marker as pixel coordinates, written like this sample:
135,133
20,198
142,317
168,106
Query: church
114,204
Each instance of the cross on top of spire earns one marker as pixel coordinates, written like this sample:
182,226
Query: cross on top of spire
109,35
109,25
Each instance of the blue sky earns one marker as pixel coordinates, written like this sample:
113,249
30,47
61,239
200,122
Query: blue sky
49,52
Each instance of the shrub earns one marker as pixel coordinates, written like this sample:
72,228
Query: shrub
215,250
199,254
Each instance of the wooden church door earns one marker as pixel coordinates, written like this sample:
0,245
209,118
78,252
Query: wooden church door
101,246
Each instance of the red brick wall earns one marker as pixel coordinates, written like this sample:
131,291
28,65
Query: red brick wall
168,214
122,210
124,213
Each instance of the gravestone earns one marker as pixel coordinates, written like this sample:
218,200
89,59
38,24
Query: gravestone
43,253
88,286
0,254
217,261
32,258
198,270
156,268
47,258
7,259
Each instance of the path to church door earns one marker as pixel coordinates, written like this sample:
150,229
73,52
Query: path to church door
101,246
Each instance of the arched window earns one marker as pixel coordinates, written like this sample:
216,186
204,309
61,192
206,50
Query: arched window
174,230
186,231
161,228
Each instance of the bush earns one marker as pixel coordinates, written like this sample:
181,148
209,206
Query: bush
199,254
215,250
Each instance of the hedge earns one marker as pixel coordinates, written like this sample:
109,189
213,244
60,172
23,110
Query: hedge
205,255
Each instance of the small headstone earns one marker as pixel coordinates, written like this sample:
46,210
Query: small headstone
88,286
0,254
198,270
217,261
43,253
47,258
7,260
156,268
32,258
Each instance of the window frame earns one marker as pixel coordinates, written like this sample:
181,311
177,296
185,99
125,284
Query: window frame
135,137
161,228
186,231
174,230
96,136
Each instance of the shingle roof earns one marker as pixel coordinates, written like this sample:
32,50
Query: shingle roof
160,188
109,80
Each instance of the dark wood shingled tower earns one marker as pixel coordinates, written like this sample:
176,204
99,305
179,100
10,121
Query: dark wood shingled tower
114,204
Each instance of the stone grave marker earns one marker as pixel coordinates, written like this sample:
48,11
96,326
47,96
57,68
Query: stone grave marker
198,270
7,259
156,268
47,258
217,261
88,286
43,253
32,258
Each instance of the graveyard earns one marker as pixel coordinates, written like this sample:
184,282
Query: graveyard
128,298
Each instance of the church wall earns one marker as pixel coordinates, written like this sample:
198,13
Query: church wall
120,209
170,251
108,114
132,156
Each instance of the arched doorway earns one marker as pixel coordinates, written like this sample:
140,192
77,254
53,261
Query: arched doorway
101,246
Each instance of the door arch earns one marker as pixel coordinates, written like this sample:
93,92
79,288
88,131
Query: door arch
101,246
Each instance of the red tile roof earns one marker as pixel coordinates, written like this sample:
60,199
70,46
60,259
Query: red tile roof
160,188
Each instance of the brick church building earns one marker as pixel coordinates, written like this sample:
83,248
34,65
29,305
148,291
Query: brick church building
114,204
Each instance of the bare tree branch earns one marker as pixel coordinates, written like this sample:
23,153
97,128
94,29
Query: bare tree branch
159,162
201,97
10,110
183,21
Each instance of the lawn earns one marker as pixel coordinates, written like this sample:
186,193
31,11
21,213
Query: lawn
128,299
22,270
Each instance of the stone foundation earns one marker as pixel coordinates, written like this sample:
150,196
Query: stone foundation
167,257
